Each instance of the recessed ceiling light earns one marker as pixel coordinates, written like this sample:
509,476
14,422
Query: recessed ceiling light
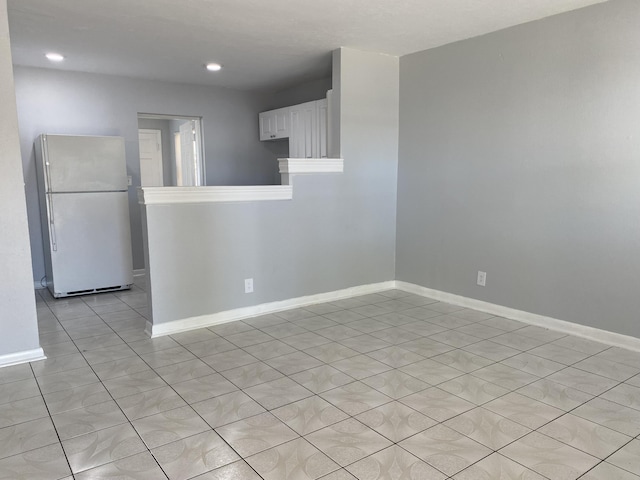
54,57
214,67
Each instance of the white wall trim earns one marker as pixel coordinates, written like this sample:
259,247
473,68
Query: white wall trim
138,272
570,328
22,357
242,193
177,326
310,165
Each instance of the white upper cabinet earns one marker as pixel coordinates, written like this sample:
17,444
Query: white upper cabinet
305,125
275,124
323,128
303,142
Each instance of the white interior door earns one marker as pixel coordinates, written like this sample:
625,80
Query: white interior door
151,173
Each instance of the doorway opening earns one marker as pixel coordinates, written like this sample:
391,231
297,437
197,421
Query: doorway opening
171,150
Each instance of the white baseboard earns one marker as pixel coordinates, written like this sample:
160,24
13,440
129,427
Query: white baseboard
139,272
22,357
182,325
590,333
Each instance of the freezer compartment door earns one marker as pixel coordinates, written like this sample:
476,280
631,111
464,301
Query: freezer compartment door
90,241
84,163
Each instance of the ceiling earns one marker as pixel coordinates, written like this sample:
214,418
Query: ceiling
262,44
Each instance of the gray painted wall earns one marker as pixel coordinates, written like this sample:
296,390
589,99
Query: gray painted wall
52,101
305,92
18,323
337,232
519,157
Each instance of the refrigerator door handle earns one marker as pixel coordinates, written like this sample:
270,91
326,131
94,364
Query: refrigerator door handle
52,227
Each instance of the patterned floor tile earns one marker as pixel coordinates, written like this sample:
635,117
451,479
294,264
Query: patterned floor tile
227,408
492,350
19,391
361,366
431,371
22,411
331,352
297,459
262,351
548,457
534,365
473,389
104,446
495,467
256,434
40,464
445,449
293,363
141,467
194,455
437,404
622,419
462,360
607,368
88,419
321,379
395,356
150,403
78,397
395,384
134,383
628,457
504,376
252,374
394,463
487,428
355,398
26,436
169,426
201,388
524,410
239,470
584,435
180,372
309,415
277,393
624,394
606,470
240,357
395,421
555,394
348,441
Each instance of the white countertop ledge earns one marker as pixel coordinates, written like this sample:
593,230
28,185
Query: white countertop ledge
293,166
191,195
289,168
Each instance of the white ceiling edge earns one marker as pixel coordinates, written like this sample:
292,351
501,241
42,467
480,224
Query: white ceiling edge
261,45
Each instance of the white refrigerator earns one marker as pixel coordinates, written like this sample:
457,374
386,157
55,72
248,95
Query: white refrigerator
85,214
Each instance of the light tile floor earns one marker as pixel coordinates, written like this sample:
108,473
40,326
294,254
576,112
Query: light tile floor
383,386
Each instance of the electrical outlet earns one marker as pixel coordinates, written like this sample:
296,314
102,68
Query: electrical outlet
482,278
248,285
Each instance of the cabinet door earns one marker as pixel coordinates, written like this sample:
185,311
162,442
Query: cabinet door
274,124
323,119
303,139
281,123
267,127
